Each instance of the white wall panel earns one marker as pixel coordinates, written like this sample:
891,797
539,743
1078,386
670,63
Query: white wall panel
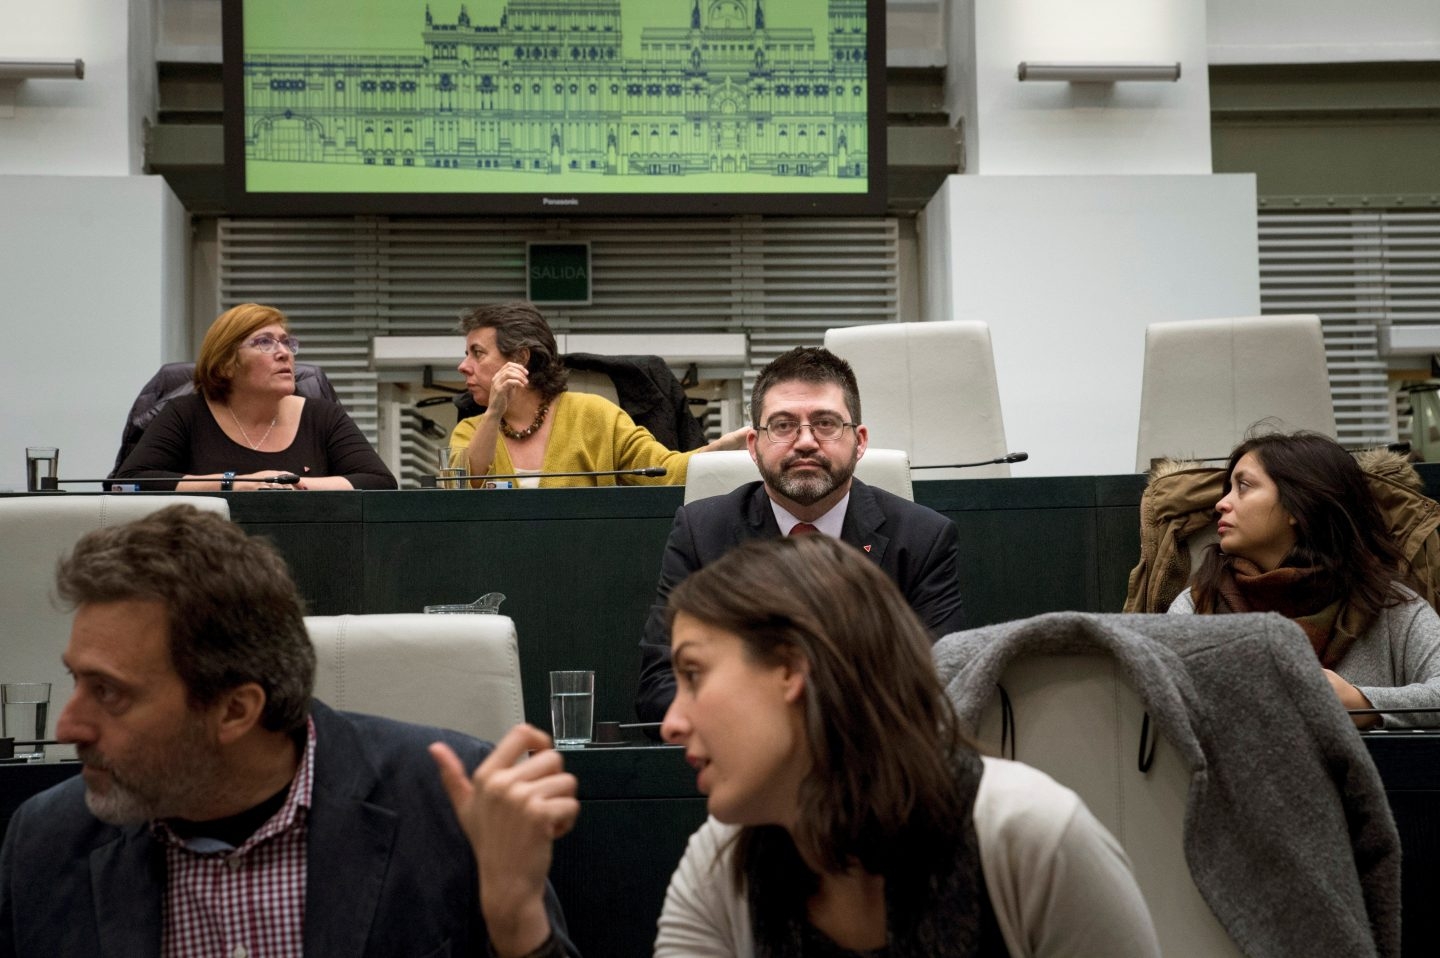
1091,128
93,272
1068,271
78,127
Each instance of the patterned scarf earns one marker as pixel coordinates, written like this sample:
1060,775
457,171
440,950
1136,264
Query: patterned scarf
1305,596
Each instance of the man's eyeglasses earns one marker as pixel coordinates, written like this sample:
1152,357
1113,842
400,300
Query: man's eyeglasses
267,343
823,428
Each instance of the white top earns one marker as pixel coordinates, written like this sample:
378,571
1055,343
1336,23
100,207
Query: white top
1059,883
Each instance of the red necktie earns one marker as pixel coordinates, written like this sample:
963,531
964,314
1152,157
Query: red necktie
802,529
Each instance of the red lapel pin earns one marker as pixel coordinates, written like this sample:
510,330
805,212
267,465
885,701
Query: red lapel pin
866,548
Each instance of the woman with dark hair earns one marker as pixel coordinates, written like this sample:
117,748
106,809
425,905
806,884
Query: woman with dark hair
849,813
244,425
1301,534
531,424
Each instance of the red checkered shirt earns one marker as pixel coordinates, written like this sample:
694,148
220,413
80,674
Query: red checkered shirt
246,902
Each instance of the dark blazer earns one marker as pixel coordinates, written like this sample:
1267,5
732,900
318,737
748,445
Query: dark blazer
388,871
915,546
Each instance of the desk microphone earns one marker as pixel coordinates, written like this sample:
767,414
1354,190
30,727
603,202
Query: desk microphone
1003,460
651,471
51,484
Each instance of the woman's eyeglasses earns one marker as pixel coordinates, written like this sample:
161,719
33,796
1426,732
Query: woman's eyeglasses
267,343
823,428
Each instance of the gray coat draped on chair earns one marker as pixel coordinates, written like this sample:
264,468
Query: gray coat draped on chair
1288,834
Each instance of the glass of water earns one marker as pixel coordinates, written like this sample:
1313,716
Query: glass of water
25,709
450,462
572,707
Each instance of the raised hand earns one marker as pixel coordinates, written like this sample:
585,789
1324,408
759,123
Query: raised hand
508,378
512,813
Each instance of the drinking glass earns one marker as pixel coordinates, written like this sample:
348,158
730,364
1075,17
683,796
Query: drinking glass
572,707
41,463
23,711
450,462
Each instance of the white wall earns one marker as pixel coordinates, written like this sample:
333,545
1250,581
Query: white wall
94,281
1131,127
1068,271
86,127
1323,31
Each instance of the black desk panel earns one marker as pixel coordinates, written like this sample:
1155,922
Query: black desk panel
577,568
1409,764
638,807
320,535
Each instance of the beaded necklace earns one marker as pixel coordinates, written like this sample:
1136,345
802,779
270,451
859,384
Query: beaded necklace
528,431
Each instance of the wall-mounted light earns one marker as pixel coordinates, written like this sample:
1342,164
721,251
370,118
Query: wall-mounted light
1098,72
16,69
13,70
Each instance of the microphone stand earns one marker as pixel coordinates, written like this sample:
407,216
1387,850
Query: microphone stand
51,484
653,472
1003,460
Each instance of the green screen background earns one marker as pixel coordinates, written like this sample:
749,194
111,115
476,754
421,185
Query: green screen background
314,142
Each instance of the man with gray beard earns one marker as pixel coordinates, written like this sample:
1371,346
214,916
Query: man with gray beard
806,437
220,810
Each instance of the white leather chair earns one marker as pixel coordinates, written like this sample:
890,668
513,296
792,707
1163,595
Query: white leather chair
36,532
1207,381
1079,721
592,381
716,473
930,389
459,672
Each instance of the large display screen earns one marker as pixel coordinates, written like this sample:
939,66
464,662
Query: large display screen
555,106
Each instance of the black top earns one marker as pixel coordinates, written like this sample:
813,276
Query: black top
185,439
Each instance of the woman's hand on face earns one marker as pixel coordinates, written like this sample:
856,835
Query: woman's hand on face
1351,698
508,378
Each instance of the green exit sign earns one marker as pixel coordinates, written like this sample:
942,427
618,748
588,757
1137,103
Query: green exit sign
558,273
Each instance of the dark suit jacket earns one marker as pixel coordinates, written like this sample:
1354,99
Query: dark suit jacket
388,871
915,546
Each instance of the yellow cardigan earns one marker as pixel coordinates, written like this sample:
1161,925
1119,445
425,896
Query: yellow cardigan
588,434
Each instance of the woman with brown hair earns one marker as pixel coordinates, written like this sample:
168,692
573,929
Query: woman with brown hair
244,426
1301,534
849,813
533,425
